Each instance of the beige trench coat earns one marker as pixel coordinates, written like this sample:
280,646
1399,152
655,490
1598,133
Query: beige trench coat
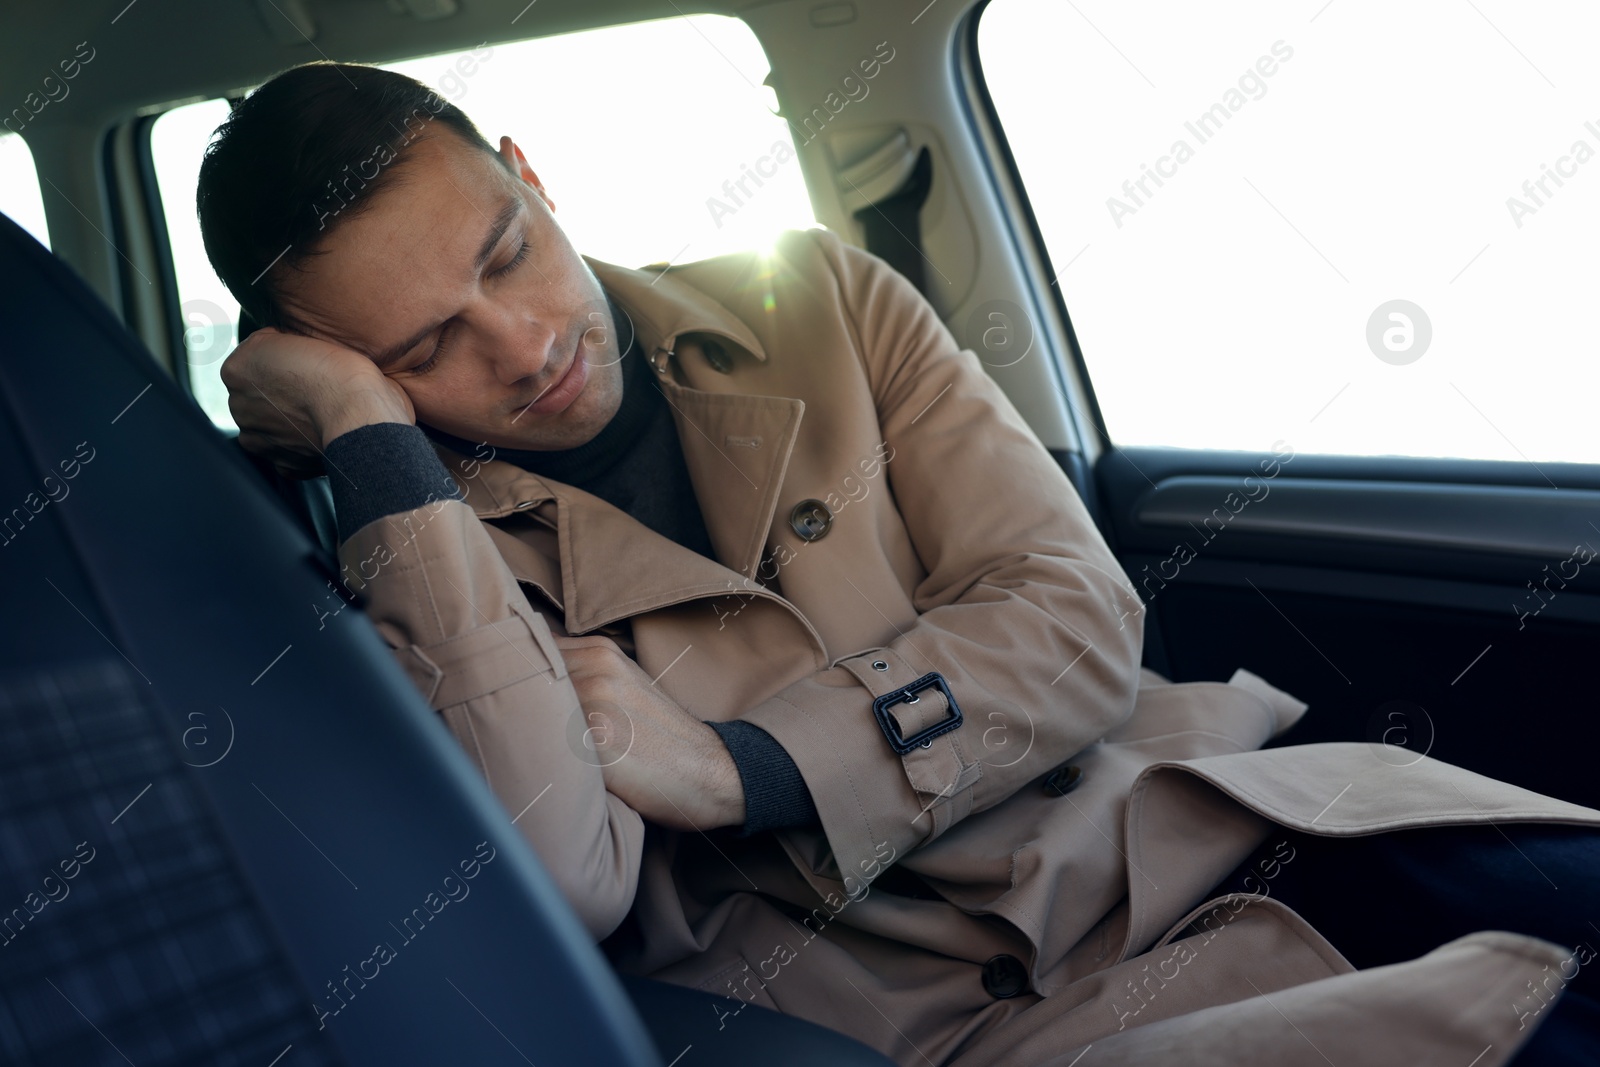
958,546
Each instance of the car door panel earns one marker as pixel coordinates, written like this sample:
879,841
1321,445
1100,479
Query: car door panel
1426,606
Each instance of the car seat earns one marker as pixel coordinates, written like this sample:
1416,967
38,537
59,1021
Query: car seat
231,830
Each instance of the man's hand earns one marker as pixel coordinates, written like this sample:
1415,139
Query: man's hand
292,394
664,763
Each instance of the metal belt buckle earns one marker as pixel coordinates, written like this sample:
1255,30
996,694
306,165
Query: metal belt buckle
908,694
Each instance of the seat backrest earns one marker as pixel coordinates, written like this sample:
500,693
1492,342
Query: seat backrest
310,503
232,827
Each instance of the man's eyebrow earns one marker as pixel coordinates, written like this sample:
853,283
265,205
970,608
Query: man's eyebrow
497,229
389,355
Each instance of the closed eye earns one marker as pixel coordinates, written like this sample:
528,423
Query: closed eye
515,261
433,357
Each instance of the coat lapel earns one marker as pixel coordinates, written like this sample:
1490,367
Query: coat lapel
737,450
736,447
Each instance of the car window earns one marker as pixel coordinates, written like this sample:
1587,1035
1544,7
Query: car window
1359,229
642,168
210,314
19,187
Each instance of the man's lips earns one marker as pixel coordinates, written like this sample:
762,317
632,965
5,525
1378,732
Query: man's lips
566,389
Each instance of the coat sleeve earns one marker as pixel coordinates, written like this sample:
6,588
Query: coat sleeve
463,630
1023,611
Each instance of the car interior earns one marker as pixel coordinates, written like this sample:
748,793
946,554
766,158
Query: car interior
257,796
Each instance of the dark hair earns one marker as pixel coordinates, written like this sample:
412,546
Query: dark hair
302,152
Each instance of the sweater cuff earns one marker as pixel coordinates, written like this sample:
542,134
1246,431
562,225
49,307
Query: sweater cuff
775,795
381,469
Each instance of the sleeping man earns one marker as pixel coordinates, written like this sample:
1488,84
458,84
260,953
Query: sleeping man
796,658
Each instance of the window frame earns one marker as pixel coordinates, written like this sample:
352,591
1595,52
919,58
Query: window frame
1023,223
141,130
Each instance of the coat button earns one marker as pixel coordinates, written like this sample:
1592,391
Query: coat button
1063,780
1004,976
718,357
810,519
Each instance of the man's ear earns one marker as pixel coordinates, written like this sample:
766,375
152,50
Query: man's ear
519,166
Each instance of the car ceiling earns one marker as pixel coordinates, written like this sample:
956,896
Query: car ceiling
153,53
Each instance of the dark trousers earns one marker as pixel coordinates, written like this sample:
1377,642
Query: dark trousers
1390,897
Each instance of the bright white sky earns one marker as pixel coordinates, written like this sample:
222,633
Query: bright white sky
19,188
1230,309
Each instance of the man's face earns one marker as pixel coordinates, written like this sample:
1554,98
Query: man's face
456,280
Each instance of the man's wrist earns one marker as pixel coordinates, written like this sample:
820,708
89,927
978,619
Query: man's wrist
774,795
362,411
726,788
383,469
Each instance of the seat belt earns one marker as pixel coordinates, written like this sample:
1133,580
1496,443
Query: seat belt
893,225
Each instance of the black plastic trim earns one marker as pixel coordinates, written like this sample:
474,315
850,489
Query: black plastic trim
1370,518
161,248
1505,520
117,224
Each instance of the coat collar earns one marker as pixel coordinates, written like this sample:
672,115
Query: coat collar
664,308
611,565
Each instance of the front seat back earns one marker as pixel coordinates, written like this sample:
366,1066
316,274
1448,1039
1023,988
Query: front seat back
231,830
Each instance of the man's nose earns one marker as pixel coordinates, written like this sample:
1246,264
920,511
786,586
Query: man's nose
521,345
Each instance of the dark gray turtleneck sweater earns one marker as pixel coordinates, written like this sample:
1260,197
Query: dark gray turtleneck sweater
634,463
